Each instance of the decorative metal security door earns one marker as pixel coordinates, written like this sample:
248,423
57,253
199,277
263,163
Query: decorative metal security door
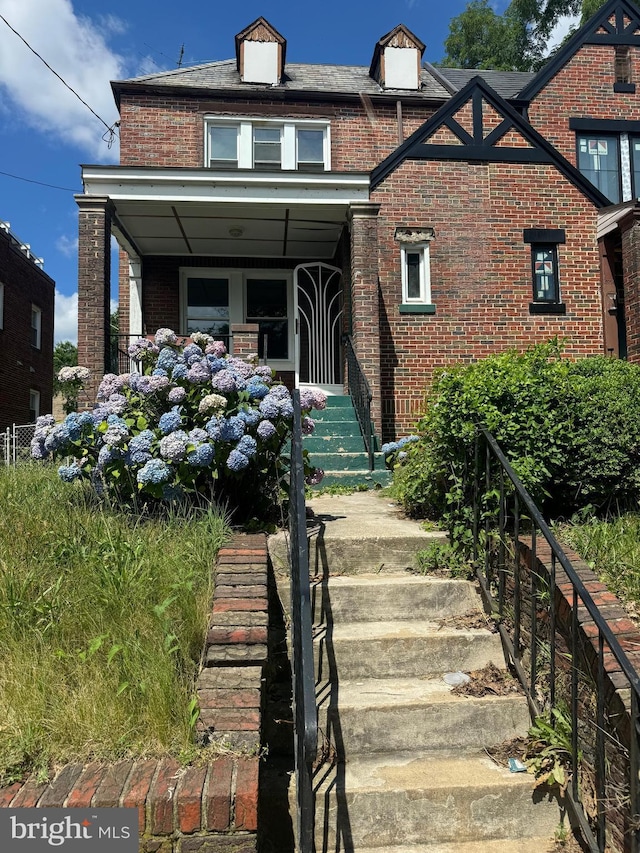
319,328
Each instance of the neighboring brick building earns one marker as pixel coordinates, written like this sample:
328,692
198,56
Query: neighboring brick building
26,333
433,214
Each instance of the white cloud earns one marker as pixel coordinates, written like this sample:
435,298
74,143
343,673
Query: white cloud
68,246
66,318
76,49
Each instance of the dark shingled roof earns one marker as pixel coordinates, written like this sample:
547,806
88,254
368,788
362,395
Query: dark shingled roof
506,83
332,79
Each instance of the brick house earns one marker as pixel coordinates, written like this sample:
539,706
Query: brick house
434,215
26,333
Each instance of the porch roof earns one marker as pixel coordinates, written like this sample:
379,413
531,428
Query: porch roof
201,212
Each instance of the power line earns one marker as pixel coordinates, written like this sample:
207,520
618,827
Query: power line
40,183
110,128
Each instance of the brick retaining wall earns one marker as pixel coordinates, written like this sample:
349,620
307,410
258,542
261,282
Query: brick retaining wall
211,808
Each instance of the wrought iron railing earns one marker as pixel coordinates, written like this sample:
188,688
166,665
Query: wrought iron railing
562,662
361,395
304,695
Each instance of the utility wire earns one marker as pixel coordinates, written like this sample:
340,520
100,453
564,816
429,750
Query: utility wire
40,183
110,129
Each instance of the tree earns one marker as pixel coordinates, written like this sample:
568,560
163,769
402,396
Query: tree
514,41
65,354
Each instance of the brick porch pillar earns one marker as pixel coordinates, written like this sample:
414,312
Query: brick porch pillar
94,289
630,229
245,340
365,323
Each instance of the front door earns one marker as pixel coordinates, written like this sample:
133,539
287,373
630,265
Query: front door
318,291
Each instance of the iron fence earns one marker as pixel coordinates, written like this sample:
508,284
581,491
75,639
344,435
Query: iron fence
305,714
361,396
564,652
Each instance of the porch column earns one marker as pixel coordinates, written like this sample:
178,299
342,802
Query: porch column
630,230
244,340
365,325
134,327
94,289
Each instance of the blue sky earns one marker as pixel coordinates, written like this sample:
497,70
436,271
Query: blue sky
46,132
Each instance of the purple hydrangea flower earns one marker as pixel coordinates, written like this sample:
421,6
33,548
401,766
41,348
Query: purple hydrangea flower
216,364
237,461
142,350
199,372
177,394
116,404
224,381
308,425
108,386
192,353
265,430
311,398
170,421
197,435
240,367
154,472
116,435
216,348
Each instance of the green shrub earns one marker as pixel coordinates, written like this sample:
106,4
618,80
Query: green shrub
570,429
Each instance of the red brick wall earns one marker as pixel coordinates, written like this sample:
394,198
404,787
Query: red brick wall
23,367
583,88
480,271
167,132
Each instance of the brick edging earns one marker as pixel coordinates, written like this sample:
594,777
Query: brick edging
211,808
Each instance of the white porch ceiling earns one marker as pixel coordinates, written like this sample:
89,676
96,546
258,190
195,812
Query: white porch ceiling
246,213
228,229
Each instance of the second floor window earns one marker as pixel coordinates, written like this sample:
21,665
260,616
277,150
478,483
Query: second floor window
268,144
36,327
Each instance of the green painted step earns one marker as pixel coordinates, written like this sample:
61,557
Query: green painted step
354,479
335,416
339,401
347,461
337,428
333,443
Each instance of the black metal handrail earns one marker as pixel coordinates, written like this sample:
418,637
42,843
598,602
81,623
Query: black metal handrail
305,714
361,395
515,511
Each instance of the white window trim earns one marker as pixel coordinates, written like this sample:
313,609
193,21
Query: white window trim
238,300
425,273
289,127
38,326
1,305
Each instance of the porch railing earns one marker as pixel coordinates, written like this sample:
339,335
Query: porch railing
304,695
561,665
361,395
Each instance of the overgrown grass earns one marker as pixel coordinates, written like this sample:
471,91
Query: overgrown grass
612,549
102,620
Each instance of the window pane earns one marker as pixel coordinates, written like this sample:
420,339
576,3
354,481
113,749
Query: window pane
266,146
412,260
598,161
224,144
208,292
545,285
310,146
266,304
209,327
266,298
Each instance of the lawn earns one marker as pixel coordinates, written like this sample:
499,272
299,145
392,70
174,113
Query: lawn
102,621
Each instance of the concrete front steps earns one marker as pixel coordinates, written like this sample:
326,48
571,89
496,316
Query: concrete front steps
409,772
338,448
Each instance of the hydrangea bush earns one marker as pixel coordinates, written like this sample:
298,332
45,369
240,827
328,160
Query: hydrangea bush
70,381
193,421
394,452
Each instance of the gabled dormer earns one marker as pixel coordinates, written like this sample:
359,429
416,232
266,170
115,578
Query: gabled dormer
260,53
396,60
